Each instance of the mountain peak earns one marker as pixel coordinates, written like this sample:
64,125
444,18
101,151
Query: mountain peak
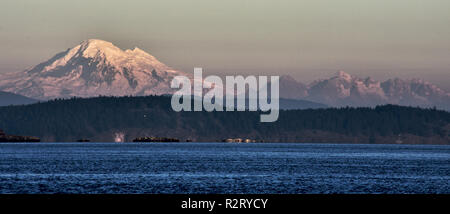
93,67
97,42
92,48
343,75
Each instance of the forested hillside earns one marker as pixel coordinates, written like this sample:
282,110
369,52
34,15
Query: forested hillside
99,119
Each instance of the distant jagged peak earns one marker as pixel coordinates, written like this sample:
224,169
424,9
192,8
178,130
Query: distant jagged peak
414,81
343,75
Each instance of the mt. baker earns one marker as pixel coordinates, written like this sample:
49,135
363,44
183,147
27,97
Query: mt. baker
93,68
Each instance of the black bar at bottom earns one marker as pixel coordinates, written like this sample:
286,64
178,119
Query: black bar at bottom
212,203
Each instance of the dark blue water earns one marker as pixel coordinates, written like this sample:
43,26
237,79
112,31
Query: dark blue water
222,168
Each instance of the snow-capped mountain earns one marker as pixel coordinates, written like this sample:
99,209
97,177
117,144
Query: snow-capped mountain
97,67
343,89
93,68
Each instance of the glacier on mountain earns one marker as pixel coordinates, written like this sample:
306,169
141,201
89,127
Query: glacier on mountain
92,68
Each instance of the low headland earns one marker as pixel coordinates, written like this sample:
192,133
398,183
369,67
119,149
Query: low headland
14,138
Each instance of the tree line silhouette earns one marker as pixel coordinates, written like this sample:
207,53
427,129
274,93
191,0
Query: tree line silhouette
67,119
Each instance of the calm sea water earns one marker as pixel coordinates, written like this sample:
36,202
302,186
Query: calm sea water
222,168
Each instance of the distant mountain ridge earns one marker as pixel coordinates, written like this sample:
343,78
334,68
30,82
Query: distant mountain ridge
343,89
7,99
96,67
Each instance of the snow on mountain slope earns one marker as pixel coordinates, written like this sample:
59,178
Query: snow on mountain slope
343,89
96,67
93,68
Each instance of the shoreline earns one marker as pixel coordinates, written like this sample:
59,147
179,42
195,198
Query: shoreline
258,143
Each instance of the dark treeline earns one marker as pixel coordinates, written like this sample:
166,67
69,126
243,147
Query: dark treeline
99,118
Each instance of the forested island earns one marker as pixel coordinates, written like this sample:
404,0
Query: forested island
101,118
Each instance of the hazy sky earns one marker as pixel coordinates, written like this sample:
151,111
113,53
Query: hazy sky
306,39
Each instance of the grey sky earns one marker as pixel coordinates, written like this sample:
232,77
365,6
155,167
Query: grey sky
306,39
